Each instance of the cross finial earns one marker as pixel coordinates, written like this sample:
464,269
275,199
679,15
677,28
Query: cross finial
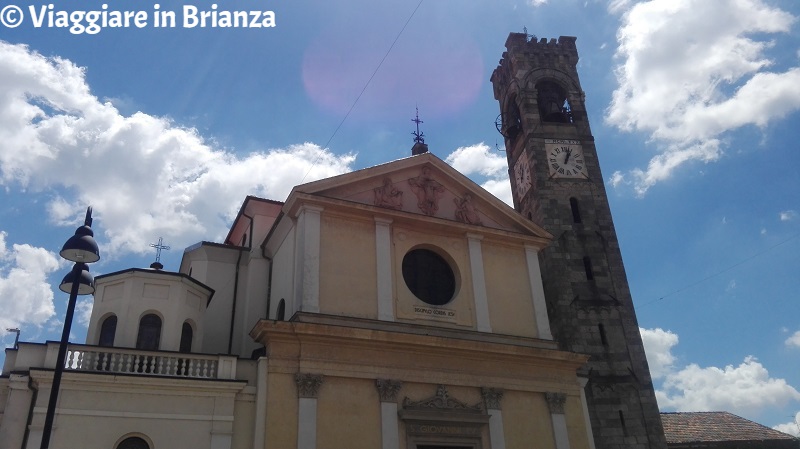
418,136
159,246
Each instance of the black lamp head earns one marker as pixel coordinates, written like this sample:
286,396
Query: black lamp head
82,247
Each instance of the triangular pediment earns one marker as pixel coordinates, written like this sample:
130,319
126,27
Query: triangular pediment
423,185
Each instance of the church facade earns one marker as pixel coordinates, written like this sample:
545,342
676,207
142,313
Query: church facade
399,306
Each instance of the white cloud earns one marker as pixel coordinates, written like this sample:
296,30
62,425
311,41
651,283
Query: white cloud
618,6
477,159
480,160
793,340
791,428
739,389
658,345
25,294
692,70
536,3
83,311
788,215
149,177
617,178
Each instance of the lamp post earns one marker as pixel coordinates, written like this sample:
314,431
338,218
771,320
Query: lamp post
81,249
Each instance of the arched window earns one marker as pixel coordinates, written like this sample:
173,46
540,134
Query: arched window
281,315
133,443
512,120
107,331
186,337
576,213
553,103
149,332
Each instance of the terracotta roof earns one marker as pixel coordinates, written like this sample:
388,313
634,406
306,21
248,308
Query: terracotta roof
692,427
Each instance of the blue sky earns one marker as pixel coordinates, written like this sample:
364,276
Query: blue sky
693,105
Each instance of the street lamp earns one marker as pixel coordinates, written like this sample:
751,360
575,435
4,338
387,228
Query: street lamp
81,249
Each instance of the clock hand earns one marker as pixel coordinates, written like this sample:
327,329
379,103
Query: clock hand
566,158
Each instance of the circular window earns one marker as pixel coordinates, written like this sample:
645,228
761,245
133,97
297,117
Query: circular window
429,276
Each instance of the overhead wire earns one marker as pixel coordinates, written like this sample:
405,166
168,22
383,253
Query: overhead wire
725,270
352,106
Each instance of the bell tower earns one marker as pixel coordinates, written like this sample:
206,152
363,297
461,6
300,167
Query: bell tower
556,182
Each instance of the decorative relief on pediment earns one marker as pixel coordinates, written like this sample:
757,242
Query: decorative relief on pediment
441,401
388,389
308,384
465,210
492,397
428,191
388,195
555,402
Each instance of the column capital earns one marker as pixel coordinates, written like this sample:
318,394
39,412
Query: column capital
308,208
308,384
555,402
473,236
388,389
492,397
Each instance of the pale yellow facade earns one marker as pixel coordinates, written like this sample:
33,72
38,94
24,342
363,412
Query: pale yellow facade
327,340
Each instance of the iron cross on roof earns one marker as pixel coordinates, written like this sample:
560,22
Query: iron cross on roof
159,246
418,136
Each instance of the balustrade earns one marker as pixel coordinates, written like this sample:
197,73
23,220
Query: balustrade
154,363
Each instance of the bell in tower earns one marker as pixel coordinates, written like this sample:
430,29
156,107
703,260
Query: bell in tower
553,104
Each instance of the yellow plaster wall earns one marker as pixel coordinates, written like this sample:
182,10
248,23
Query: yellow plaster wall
576,425
526,419
508,289
281,411
283,277
348,274
244,412
164,415
348,414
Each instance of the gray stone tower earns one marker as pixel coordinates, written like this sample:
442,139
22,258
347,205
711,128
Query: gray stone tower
556,182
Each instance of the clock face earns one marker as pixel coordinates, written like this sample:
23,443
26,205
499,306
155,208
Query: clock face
522,175
565,159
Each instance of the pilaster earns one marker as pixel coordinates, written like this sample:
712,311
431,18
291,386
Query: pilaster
307,258
555,402
383,263
479,282
491,399
307,391
537,293
390,432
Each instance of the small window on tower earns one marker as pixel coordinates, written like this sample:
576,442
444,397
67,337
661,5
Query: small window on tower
587,265
576,213
622,423
603,338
